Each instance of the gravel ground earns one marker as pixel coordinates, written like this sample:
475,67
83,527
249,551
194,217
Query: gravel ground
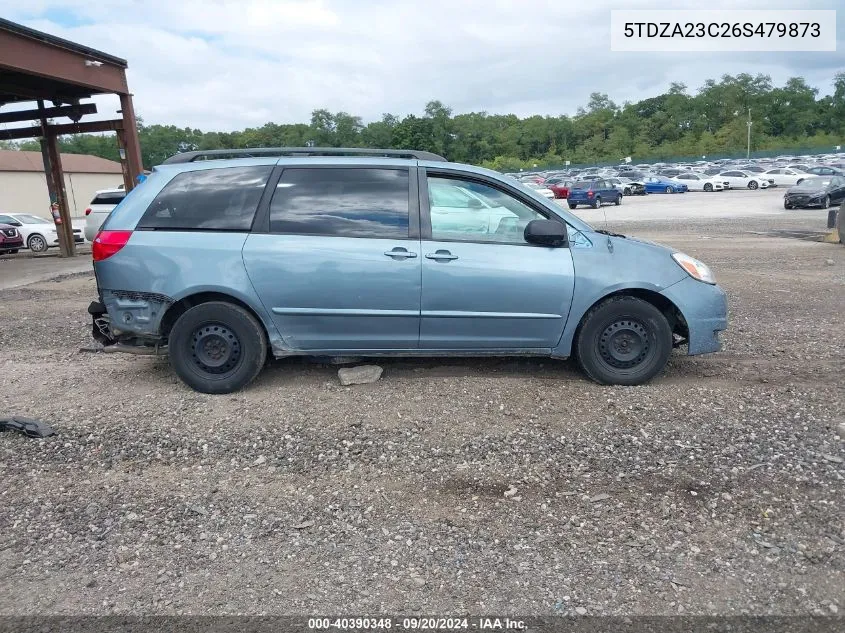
449,486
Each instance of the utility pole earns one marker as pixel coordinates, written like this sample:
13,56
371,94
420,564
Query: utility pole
748,150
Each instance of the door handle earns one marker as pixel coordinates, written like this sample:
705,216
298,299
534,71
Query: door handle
441,256
400,253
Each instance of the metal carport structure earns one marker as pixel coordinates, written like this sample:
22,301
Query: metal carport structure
35,66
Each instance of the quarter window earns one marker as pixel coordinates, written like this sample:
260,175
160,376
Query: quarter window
342,202
223,199
468,211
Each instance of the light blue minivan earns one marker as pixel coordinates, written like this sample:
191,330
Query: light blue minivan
221,258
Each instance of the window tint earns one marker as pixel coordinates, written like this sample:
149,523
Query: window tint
341,202
108,198
222,199
474,212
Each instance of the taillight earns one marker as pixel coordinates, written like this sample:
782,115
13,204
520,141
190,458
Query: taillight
589,194
107,243
88,211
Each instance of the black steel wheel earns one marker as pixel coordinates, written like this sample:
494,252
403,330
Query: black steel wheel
623,341
217,347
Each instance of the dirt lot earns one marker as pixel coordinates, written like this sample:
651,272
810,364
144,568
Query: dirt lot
716,489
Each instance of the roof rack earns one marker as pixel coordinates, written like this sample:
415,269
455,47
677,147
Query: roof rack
254,152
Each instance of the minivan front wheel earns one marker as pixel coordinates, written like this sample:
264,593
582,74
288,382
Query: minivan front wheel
623,341
217,347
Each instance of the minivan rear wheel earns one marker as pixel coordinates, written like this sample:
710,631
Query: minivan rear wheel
623,341
217,347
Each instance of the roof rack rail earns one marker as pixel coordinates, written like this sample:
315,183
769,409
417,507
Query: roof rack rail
254,152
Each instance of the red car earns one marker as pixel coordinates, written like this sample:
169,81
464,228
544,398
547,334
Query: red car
559,187
10,240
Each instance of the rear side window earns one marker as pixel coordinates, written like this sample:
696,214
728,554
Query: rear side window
108,198
342,203
210,199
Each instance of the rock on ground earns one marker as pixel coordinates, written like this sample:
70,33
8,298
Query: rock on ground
361,375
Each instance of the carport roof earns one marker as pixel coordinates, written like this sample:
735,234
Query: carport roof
58,42
12,160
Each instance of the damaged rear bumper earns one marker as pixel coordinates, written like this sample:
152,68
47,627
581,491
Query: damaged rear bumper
129,321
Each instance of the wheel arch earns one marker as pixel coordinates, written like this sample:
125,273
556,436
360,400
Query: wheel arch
677,320
183,304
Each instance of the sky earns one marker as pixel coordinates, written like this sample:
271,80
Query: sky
227,65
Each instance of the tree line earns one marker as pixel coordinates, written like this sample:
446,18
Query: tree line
710,122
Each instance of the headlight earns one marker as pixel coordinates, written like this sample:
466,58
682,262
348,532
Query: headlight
695,268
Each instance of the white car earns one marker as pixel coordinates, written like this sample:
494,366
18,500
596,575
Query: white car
38,234
700,182
543,191
786,176
738,179
104,201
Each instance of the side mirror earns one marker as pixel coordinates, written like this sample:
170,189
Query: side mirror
545,233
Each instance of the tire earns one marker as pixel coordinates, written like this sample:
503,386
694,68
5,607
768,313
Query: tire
753,184
670,190
840,224
37,244
800,180
217,347
786,205
826,202
708,187
572,205
627,191
596,202
618,199
623,341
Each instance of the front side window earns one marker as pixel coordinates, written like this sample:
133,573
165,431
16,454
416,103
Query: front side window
223,199
342,202
468,211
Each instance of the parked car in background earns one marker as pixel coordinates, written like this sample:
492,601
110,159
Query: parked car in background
593,193
38,233
700,182
825,170
661,184
226,261
560,188
738,179
541,189
784,176
631,186
817,191
104,201
10,240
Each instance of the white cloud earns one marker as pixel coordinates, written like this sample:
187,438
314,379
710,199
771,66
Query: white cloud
226,65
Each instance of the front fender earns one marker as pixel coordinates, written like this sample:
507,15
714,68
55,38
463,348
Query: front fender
610,265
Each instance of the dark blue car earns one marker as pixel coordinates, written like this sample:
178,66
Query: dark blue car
593,193
661,184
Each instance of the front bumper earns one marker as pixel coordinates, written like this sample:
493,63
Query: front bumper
11,245
804,201
705,309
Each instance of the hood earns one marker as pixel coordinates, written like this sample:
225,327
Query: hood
806,192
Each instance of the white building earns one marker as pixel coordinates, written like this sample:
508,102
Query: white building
23,185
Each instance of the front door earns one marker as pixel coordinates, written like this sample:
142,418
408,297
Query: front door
339,268
483,286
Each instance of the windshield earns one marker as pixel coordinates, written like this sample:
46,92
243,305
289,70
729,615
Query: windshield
25,218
